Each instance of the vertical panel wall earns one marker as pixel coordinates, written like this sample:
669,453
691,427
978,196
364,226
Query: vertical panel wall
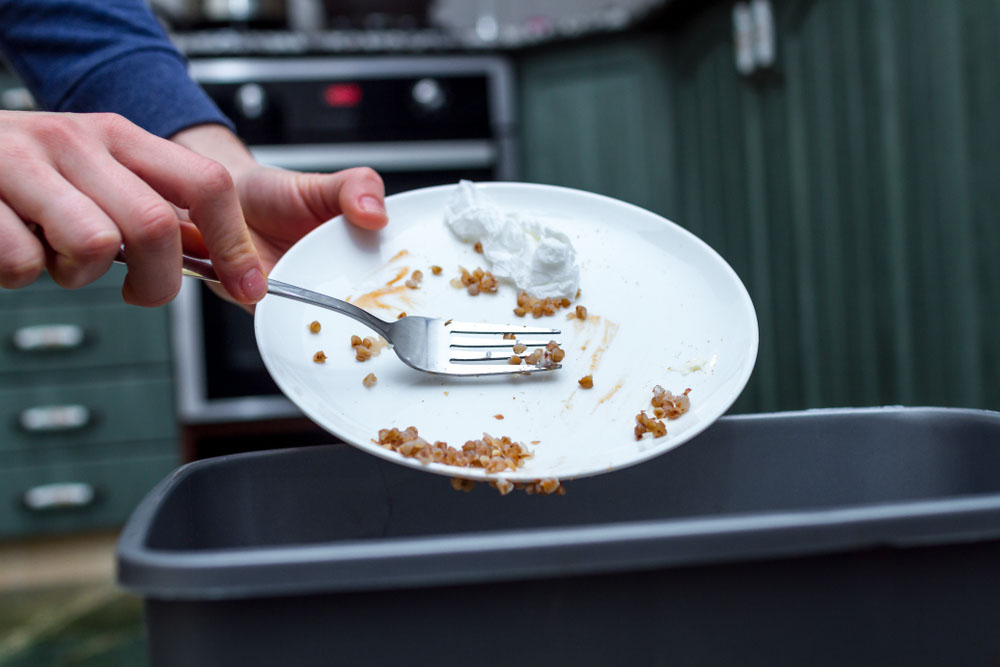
854,188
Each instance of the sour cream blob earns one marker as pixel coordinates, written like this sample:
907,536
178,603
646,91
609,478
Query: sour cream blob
537,259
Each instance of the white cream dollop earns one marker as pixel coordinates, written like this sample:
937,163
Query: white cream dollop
537,259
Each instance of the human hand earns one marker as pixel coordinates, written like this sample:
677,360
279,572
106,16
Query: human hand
282,206
75,187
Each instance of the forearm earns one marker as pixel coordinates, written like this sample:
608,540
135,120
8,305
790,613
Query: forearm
107,56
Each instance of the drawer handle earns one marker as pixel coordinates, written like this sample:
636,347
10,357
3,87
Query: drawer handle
65,495
42,337
54,418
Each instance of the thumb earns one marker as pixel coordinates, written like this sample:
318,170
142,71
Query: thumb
358,193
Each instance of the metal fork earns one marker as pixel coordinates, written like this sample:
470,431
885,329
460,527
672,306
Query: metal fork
432,345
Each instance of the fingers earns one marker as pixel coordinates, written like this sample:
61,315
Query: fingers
206,189
22,257
192,241
148,224
82,238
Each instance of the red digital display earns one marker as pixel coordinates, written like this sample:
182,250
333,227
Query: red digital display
340,95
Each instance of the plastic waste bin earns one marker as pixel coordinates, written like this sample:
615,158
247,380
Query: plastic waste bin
848,536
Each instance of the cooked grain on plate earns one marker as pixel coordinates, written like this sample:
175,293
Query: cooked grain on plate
665,404
365,348
587,382
491,454
315,326
319,357
477,281
673,405
538,307
488,453
413,282
369,380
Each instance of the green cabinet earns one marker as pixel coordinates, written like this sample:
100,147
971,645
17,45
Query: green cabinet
87,423
78,493
853,188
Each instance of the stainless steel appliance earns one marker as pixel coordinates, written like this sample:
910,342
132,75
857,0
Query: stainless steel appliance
419,121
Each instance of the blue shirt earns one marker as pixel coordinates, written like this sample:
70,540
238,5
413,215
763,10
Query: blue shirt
103,55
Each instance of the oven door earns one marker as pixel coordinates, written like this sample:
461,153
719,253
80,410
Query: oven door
220,375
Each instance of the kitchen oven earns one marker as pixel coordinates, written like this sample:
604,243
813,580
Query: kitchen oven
419,121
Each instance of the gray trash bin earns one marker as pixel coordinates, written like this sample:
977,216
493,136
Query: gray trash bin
828,537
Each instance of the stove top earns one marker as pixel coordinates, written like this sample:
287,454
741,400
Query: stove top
232,41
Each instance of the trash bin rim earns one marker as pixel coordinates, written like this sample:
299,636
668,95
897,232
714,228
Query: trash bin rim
450,559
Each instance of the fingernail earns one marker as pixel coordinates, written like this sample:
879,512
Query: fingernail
372,204
254,284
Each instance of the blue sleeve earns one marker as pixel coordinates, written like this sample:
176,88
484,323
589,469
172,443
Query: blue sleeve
103,55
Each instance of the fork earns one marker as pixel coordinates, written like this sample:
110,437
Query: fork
428,344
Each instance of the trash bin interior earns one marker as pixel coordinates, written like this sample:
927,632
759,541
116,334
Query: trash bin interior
785,462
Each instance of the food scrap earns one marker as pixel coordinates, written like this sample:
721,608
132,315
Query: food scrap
546,357
365,348
539,307
476,282
436,270
587,382
490,454
413,282
369,380
460,484
319,357
315,326
542,487
665,404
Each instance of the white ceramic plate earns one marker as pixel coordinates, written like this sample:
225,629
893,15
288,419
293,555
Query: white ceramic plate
664,309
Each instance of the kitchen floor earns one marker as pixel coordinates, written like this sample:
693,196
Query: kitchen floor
59,605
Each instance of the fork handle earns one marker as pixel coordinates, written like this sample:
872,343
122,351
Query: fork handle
287,291
191,267
202,269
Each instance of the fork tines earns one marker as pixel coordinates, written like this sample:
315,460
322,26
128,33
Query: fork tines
487,328
484,342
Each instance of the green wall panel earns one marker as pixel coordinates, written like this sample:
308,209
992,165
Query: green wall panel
854,188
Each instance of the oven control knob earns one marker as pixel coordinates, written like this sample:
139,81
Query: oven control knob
429,95
251,100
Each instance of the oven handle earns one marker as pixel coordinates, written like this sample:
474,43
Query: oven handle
387,156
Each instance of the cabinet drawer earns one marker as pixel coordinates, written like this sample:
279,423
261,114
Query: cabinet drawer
45,292
72,337
85,414
74,497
